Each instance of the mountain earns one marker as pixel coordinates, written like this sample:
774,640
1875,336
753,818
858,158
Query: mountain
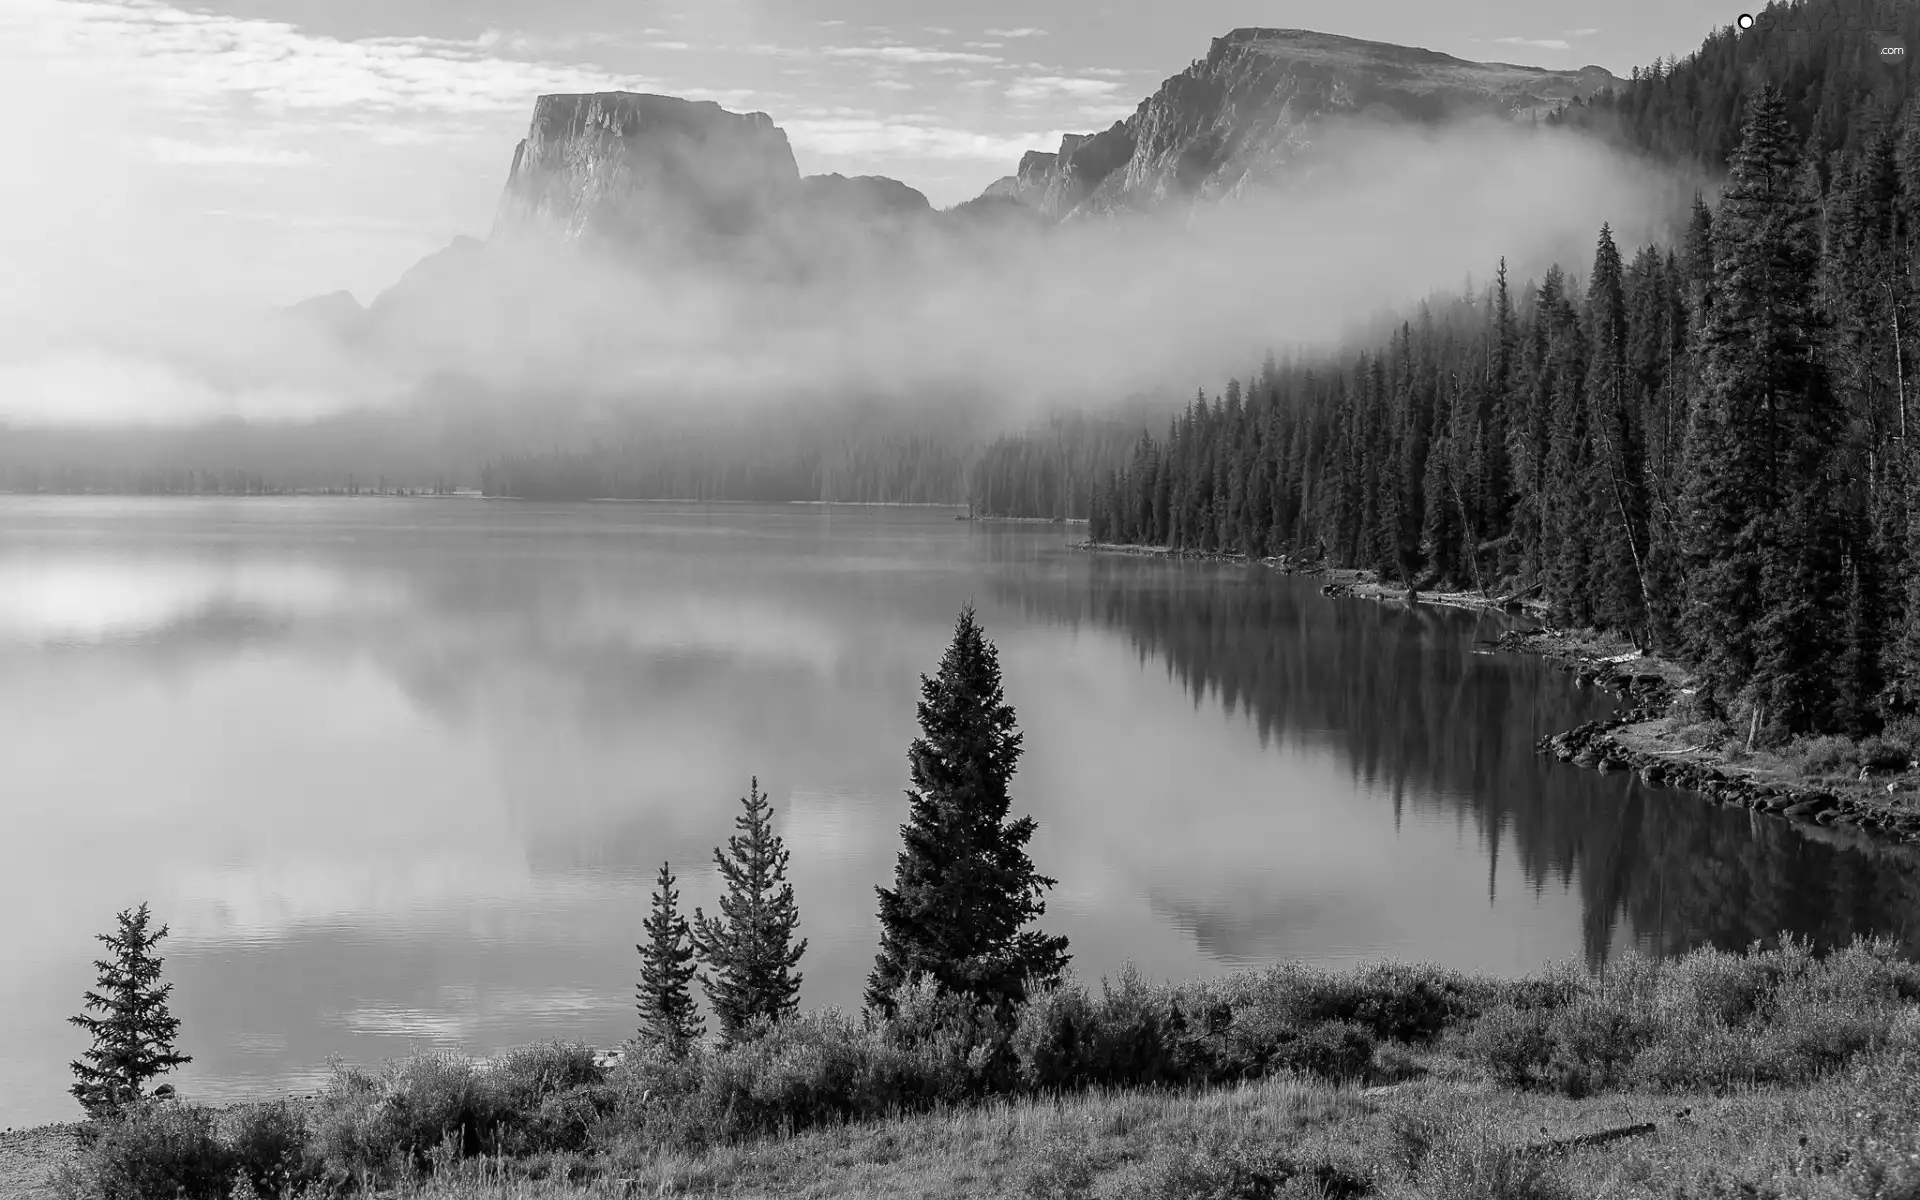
1239,117
653,178
336,313
658,175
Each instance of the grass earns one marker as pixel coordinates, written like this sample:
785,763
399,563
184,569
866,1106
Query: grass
1433,1140
1770,1073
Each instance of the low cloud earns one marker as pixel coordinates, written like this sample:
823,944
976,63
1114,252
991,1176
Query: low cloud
1000,328
907,54
1050,87
1535,43
1016,33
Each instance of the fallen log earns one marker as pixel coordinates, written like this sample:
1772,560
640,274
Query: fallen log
1601,1138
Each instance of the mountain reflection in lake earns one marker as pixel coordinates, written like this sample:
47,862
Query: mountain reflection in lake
399,772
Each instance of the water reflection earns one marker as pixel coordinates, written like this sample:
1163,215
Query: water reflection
1420,710
400,772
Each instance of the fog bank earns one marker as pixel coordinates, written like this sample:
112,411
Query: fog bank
1007,318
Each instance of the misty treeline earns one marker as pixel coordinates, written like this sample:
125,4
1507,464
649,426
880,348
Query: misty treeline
1705,446
898,468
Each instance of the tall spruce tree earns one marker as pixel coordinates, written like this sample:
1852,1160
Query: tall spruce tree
1763,580
134,1032
667,970
749,951
964,889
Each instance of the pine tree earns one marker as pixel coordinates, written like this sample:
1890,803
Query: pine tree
1764,580
133,1035
964,888
667,1017
749,949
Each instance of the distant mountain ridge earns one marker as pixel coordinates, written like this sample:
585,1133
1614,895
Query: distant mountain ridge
636,169
1236,118
653,178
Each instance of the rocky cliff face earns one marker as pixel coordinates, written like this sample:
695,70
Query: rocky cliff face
639,170
1240,116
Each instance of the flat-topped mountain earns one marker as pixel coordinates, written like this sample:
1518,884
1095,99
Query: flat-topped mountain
1237,117
648,178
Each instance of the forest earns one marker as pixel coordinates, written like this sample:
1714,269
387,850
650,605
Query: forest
1703,445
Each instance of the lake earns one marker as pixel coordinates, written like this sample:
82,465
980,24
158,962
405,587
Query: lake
398,773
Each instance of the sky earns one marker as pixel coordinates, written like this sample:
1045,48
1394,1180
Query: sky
278,149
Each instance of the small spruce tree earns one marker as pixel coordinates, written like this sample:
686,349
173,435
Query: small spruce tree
667,1016
749,949
133,1035
964,888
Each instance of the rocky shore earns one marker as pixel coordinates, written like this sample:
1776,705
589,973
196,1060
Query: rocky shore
1335,581
1644,738
1647,741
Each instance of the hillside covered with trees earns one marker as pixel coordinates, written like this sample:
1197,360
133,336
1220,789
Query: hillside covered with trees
1703,445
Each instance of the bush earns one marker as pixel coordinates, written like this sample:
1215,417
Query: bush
368,1127
269,1146
1513,1043
1391,1001
1819,756
1338,1051
1595,1040
158,1149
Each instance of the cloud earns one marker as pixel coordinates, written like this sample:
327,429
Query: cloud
668,46
907,54
209,64
856,135
1049,87
1016,33
1581,32
935,29
1535,43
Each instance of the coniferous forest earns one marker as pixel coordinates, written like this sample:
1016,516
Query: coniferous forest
1702,445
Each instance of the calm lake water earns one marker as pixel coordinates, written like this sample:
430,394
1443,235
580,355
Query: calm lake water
399,772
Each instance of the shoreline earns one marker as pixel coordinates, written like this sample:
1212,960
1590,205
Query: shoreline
1879,812
1339,582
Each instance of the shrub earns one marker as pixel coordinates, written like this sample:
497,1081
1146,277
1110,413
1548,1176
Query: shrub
1047,1037
158,1148
1828,755
1338,1051
368,1127
544,1098
1513,1043
269,1146
1594,1043
1391,1001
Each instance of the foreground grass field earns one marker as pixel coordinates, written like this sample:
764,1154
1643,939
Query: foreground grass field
1768,1074
1433,1139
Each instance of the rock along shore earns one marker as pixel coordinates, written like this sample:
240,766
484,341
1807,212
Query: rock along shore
1640,739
